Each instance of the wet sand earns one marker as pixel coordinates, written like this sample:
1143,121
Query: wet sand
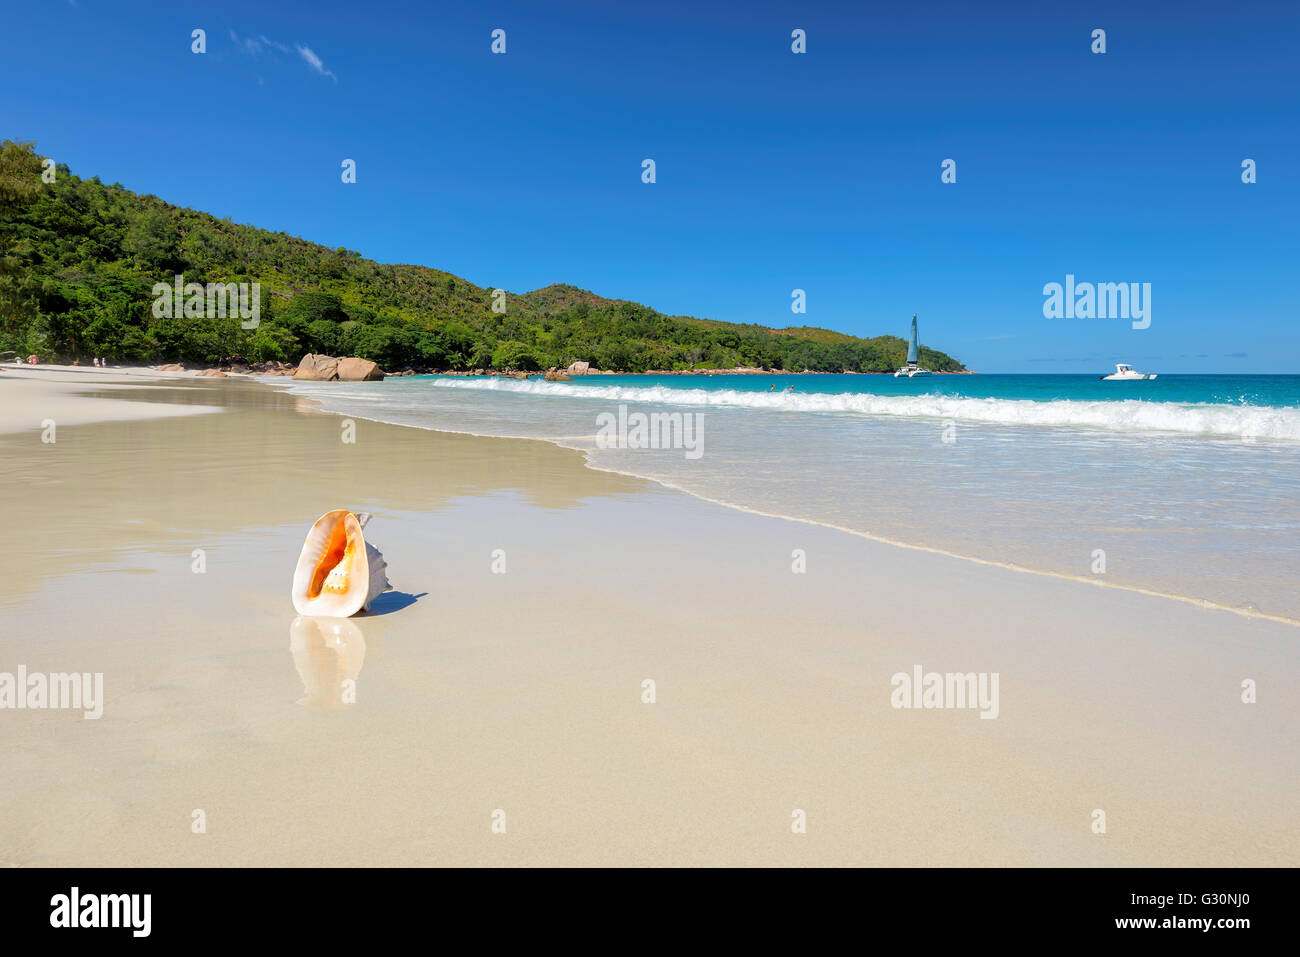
478,691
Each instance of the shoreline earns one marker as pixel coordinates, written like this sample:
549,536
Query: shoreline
275,382
523,691
1202,603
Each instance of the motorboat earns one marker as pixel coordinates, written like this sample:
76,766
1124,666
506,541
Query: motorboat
1126,373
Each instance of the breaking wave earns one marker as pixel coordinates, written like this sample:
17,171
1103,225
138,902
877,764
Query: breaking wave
1123,415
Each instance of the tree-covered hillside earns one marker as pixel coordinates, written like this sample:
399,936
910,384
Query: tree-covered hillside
79,259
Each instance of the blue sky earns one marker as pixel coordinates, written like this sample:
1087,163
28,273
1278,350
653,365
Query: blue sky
775,171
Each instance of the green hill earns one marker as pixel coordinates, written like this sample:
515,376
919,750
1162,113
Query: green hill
79,259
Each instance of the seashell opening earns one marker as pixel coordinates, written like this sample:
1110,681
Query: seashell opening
338,573
335,563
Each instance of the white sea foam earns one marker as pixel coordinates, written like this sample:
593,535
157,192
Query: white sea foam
1124,415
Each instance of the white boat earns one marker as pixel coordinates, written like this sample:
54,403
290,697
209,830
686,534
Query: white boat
1125,373
911,370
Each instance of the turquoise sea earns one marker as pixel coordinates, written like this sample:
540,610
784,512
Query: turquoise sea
1189,484
1273,391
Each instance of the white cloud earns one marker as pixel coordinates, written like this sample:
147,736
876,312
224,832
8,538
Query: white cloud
315,62
255,46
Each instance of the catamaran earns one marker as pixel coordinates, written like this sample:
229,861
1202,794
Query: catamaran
911,370
1126,373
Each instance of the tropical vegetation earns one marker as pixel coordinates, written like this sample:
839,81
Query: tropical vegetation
79,260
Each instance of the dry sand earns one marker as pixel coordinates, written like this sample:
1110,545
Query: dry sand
522,692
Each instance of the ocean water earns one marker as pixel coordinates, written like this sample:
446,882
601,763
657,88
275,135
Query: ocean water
1185,485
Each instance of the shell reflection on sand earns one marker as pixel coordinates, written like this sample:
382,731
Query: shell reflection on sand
328,653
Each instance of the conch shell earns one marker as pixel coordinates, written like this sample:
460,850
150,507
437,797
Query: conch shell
339,573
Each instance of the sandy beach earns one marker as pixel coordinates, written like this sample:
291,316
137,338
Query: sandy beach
481,690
